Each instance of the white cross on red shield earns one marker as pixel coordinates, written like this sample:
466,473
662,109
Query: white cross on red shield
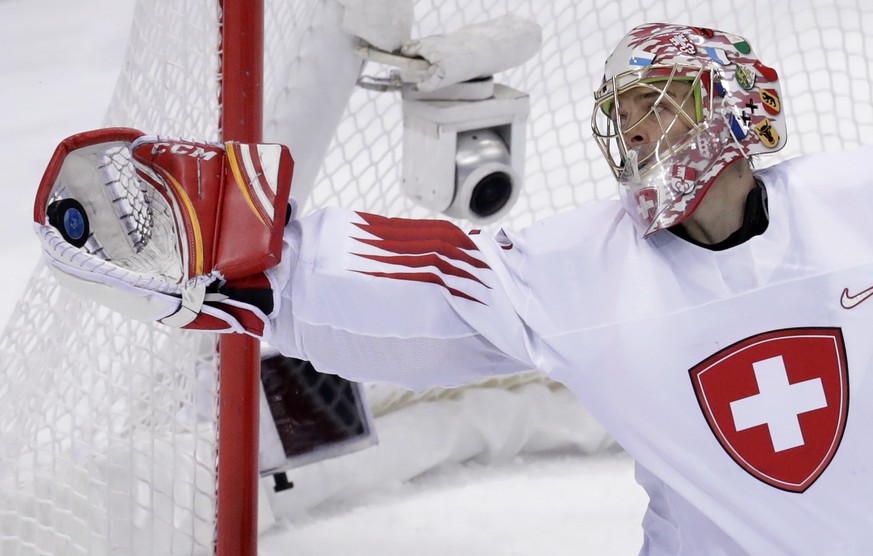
647,203
805,399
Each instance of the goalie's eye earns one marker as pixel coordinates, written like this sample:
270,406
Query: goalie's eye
68,216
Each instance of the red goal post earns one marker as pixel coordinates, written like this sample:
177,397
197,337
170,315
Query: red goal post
242,74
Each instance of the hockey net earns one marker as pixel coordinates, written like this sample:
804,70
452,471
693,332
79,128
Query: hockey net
108,427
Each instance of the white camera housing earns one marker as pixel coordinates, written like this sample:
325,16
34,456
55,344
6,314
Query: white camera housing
463,152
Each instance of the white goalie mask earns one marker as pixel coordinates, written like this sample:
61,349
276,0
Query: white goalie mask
677,106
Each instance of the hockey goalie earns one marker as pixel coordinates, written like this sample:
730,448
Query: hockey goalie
167,230
710,319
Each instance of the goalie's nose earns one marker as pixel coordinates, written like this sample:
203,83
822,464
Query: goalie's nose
68,216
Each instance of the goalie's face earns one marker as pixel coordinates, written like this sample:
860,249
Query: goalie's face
652,128
654,120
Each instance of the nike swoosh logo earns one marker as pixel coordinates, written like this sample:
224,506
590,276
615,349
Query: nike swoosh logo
851,301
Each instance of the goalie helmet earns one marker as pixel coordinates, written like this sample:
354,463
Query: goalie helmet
164,229
710,101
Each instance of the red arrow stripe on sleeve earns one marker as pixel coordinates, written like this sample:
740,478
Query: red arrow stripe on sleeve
425,277
420,261
421,247
407,229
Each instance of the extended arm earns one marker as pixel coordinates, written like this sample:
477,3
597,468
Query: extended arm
181,233
415,302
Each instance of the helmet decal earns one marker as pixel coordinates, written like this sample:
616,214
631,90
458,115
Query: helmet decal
745,77
770,101
735,113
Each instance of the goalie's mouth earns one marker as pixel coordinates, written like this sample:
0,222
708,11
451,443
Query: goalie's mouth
642,160
639,162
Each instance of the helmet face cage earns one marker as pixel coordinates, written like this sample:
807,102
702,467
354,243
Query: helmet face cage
705,101
678,113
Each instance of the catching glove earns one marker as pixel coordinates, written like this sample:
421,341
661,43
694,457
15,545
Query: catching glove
167,230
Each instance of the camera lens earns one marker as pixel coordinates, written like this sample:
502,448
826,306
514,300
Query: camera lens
491,194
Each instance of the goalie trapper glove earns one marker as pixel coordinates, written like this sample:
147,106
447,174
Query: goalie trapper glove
164,229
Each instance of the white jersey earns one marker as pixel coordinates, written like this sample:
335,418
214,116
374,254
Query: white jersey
739,380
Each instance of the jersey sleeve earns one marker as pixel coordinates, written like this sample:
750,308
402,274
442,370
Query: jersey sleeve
419,303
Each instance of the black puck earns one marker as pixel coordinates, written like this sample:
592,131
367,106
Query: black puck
68,217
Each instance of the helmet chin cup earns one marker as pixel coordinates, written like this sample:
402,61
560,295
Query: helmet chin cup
672,180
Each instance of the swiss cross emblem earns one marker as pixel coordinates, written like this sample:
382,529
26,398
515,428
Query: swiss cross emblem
647,202
777,402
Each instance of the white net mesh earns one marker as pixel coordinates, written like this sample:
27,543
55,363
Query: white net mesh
107,427
107,432
820,50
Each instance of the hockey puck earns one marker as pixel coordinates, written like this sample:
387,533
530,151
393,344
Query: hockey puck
68,217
